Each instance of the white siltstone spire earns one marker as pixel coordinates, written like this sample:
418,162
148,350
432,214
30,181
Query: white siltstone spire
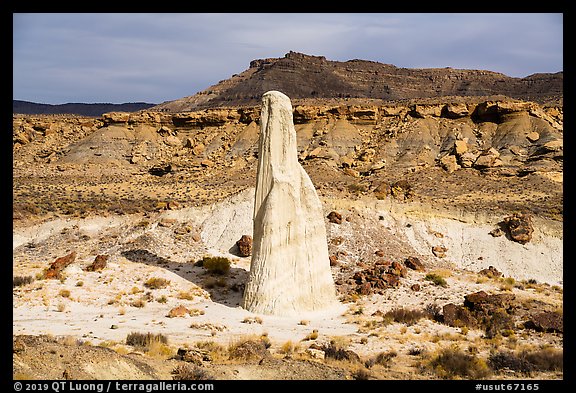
290,269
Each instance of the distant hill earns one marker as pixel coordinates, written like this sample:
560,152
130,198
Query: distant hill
302,76
32,108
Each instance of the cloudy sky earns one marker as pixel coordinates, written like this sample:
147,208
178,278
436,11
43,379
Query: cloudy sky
157,57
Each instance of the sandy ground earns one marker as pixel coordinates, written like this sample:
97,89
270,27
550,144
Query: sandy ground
106,306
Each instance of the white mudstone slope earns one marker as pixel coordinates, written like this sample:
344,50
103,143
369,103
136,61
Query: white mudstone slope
290,269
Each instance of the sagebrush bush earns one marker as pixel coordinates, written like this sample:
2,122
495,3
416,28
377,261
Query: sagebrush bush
21,280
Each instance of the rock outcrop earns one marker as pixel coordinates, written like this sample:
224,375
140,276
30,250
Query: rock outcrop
290,267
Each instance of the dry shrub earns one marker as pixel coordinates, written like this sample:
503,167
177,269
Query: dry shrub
545,359
216,351
156,283
383,359
249,348
187,372
403,315
21,280
452,363
143,340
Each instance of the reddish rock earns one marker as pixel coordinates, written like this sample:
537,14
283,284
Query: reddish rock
546,321
335,217
98,264
415,287
245,246
491,272
457,316
414,264
59,264
519,227
483,302
379,253
333,260
397,269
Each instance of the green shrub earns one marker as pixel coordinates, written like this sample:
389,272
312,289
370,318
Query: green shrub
436,279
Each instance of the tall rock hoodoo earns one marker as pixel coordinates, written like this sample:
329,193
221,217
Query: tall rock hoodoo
290,268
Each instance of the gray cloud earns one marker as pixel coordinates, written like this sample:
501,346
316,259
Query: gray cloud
60,58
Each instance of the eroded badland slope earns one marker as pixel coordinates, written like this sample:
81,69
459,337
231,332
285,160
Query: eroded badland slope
444,222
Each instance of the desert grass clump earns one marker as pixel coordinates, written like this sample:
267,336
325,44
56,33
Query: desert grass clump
434,312
156,283
454,363
187,372
287,348
436,279
144,340
403,315
252,320
383,359
21,280
217,352
336,350
216,265
64,293
311,336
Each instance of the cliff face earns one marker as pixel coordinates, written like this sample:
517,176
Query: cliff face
460,144
302,76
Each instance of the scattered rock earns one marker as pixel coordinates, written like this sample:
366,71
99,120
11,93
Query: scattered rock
166,222
333,260
533,136
457,316
382,191
449,163
58,265
497,232
491,272
192,355
335,217
402,190
415,287
547,321
414,264
98,264
482,301
244,246
439,251
315,353
519,227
